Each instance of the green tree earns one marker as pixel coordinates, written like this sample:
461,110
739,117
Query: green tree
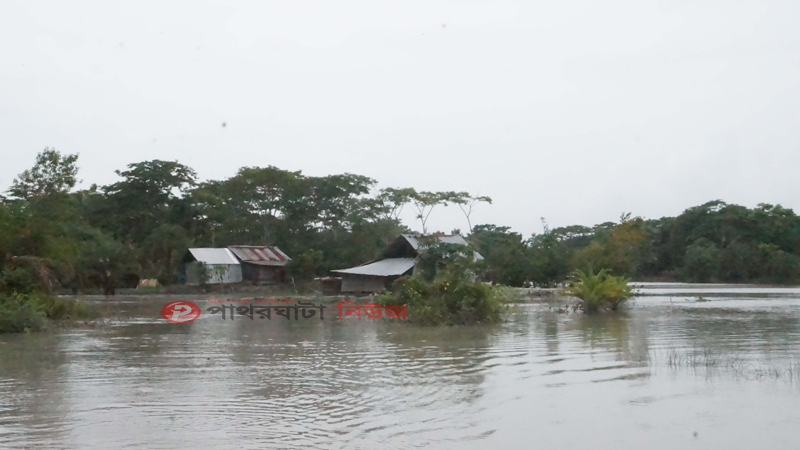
778,266
505,254
466,203
51,174
702,261
391,201
549,259
162,252
150,194
338,202
619,250
103,261
424,202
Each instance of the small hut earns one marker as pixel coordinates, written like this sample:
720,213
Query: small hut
261,264
374,276
221,267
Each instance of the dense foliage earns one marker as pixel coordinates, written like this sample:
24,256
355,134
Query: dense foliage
599,290
714,242
106,237
445,289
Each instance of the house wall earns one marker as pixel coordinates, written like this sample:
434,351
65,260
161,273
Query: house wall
225,273
363,283
262,274
217,274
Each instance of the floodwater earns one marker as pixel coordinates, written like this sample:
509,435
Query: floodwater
667,372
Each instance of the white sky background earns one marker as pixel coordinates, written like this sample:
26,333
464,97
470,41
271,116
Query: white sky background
571,110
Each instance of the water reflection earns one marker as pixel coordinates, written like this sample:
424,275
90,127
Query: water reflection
650,375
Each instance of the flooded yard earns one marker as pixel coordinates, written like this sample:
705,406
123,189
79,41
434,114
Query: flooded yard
667,372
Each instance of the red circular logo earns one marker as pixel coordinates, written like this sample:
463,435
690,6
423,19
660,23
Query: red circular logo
180,311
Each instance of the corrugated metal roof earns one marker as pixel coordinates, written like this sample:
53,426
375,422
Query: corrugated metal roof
447,239
214,256
260,254
383,268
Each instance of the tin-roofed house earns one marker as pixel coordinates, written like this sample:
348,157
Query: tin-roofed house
221,267
374,276
261,264
399,258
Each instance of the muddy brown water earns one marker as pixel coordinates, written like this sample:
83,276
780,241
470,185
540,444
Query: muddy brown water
667,372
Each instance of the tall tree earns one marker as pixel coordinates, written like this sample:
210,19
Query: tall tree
504,254
424,202
150,194
52,173
391,201
338,202
467,202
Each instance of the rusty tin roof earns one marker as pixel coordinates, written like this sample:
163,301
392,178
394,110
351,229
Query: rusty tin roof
261,255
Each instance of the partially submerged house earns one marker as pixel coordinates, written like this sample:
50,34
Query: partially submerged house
374,276
261,264
399,258
221,267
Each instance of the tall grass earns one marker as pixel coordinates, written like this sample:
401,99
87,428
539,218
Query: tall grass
710,362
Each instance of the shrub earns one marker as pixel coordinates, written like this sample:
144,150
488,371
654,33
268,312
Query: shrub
57,309
17,279
27,312
446,300
445,290
599,290
17,314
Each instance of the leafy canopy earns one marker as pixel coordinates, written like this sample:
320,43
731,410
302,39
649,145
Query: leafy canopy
52,173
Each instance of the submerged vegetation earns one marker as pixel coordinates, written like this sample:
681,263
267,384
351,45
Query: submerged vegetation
29,312
445,290
711,362
599,290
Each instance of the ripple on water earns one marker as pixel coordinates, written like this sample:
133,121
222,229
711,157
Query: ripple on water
145,384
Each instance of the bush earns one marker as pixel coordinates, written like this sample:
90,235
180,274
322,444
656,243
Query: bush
446,301
599,290
17,279
17,314
445,290
27,312
58,309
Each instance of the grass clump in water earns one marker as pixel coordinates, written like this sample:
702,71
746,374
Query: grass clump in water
599,290
30,312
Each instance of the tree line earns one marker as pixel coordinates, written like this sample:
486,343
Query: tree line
713,242
55,237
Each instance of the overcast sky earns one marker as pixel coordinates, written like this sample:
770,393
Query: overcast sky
570,110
